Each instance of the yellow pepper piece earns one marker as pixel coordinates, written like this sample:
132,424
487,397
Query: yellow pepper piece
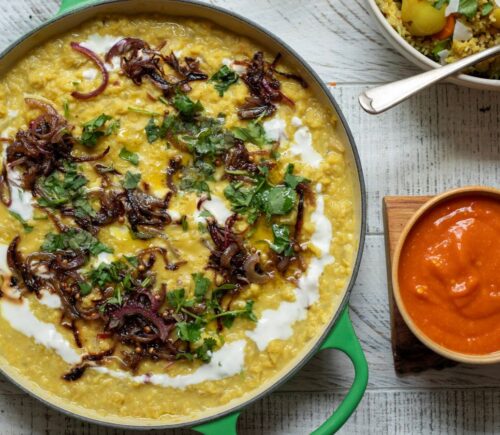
421,18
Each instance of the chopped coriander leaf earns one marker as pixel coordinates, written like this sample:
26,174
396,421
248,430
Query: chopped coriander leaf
228,317
113,127
117,297
468,8
74,239
177,299
93,130
163,100
153,132
194,178
254,132
223,79
260,198
189,331
186,107
141,235
131,180
293,180
40,217
62,188
107,273
278,200
27,227
487,8
142,111
184,223
201,286
439,47
85,288
225,287
205,214
204,351
66,109
282,244
129,156
132,259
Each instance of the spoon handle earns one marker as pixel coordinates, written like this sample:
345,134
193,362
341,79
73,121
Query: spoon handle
382,98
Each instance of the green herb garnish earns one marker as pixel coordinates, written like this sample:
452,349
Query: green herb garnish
260,198
76,240
468,8
228,317
129,156
27,227
107,273
66,109
131,180
254,132
85,288
62,188
201,286
439,47
293,180
223,79
96,128
487,8
177,299
189,331
142,111
282,243
187,108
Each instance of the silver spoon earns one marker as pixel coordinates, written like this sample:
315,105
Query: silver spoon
382,98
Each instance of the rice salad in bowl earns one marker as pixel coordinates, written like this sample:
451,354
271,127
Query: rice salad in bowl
448,30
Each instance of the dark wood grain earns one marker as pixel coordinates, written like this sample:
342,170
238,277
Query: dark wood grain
409,353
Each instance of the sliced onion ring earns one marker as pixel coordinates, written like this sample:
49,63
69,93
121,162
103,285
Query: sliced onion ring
105,76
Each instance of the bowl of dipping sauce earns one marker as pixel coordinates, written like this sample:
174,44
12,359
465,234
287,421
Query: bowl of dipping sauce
446,274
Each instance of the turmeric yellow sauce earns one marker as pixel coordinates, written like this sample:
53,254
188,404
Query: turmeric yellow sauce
244,353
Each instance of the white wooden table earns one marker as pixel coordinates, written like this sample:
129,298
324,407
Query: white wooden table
443,138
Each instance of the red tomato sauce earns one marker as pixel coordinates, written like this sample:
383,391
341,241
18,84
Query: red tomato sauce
449,274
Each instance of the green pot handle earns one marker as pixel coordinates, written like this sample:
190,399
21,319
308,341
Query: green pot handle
342,337
66,5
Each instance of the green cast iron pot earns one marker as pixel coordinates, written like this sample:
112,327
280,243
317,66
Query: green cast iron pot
338,333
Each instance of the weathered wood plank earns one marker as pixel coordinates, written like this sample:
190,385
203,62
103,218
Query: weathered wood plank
292,413
445,137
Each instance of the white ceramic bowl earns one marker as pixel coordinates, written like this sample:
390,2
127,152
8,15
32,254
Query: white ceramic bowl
413,55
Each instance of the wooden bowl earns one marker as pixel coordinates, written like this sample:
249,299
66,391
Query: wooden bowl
490,358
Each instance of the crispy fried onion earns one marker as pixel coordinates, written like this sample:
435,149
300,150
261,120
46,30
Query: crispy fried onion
98,62
139,323
230,258
146,214
238,159
56,273
111,209
43,146
139,60
189,72
174,166
264,87
89,360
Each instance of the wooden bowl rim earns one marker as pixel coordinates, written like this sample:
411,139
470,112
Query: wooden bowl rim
490,358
